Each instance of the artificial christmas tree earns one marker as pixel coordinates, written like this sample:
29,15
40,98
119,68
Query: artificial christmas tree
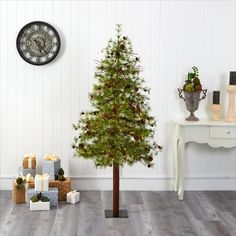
118,130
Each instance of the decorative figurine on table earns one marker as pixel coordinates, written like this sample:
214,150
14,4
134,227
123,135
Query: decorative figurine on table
231,88
192,90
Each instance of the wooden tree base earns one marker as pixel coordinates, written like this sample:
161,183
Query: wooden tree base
122,214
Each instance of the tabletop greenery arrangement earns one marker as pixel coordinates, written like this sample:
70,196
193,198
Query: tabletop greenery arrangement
193,82
192,90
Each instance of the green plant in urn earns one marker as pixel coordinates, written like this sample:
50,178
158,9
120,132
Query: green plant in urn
192,90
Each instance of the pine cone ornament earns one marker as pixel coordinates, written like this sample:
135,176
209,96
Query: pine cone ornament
122,46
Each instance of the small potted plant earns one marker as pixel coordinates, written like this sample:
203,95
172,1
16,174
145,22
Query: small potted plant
192,90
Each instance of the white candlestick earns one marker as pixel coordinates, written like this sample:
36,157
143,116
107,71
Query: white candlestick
215,112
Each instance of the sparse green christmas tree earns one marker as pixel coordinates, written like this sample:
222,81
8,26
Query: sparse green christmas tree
119,129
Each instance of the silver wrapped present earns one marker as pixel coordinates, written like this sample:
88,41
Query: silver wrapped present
24,172
51,167
52,194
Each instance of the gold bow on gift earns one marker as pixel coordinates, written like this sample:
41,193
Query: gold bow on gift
26,178
42,177
50,157
30,155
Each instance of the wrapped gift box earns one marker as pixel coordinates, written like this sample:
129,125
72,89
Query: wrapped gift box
63,187
52,194
39,206
51,167
24,171
20,195
29,161
73,197
41,183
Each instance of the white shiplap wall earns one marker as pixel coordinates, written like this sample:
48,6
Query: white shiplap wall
39,104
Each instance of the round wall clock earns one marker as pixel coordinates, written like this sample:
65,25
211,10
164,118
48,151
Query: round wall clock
38,43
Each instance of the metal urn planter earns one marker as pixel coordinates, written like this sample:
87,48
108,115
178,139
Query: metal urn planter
192,100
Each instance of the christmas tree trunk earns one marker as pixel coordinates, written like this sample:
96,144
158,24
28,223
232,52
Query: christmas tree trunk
116,212
116,191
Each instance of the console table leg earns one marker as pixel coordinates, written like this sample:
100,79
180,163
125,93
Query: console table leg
181,169
175,182
181,194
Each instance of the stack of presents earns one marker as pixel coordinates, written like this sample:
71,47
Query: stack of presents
42,192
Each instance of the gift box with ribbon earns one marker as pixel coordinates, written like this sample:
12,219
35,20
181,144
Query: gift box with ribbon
18,194
73,197
19,191
31,171
52,195
29,161
63,187
51,165
41,182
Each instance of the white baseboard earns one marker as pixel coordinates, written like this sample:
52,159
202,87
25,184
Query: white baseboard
144,183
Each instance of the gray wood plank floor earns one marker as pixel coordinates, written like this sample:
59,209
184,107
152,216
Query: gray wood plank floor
150,213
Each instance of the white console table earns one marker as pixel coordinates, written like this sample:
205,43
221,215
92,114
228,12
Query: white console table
215,134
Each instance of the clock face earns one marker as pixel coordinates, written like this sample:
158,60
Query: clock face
38,43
